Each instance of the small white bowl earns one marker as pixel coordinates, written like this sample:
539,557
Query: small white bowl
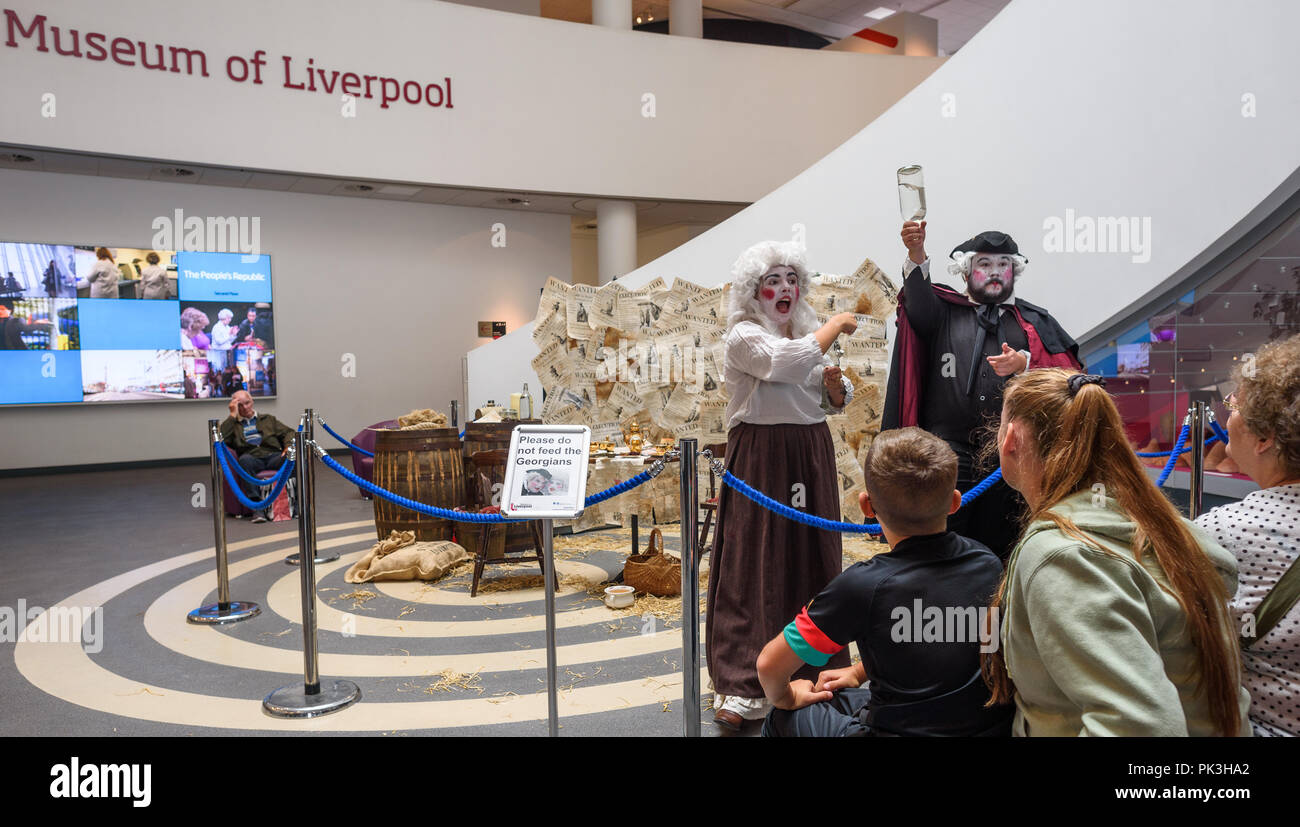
620,597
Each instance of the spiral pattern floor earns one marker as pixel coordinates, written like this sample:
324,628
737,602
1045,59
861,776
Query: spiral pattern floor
133,543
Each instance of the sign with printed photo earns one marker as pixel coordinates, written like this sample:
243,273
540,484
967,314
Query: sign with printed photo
546,471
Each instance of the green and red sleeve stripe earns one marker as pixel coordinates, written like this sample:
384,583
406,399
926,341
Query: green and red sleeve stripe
808,642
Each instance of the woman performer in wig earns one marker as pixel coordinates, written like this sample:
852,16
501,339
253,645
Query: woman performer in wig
764,566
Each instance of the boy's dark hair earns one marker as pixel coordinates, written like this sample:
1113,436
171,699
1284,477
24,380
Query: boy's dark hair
910,476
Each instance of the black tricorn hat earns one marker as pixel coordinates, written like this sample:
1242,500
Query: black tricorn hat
989,241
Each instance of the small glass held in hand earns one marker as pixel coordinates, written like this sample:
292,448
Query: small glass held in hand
911,192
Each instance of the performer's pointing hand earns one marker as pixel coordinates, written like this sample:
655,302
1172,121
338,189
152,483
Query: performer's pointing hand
914,240
1009,363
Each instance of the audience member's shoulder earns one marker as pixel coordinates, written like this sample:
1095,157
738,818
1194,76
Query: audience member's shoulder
977,550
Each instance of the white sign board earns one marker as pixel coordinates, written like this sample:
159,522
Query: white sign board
546,471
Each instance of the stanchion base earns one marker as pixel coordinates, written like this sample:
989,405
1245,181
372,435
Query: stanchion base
239,610
294,702
292,559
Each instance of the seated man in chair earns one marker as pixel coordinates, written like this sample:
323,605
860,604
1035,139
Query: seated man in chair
259,440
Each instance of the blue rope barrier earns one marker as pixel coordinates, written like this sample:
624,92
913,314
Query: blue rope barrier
1173,456
465,516
277,484
1208,443
1219,431
247,477
462,433
345,441
982,486
614,491
784,510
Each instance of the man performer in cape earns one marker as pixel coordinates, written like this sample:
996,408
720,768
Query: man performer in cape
952,356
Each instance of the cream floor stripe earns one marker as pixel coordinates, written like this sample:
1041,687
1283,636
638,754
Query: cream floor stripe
164,621
65,671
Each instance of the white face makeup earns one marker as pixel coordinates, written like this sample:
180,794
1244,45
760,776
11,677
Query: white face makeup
991,278
778,293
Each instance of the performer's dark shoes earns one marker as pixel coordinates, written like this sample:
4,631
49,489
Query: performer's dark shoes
727,719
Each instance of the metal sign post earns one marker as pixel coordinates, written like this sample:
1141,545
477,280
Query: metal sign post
546,478
690,591
311,698
552,681
224,610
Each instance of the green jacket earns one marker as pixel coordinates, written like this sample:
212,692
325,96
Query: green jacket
275,436
1093,642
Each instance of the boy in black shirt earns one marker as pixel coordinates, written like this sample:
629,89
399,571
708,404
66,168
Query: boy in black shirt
917,612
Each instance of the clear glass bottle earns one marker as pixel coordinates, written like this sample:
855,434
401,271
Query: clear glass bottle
911,192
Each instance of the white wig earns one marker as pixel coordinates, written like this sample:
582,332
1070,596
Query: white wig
748,271
960,263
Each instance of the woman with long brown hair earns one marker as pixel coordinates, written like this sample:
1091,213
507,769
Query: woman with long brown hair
1114,607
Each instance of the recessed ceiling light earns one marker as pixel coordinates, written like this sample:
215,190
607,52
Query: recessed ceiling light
514,202
357,188
16,158
879,13
176,172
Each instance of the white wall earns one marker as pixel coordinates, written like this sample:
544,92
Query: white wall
401,286
1107,108
538,105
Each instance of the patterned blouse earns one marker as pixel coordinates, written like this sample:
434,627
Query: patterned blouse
1263,531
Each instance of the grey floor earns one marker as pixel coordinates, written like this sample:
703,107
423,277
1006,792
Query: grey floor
66,532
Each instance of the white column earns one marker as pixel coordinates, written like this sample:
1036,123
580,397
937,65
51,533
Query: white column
615,239
612,14
686,18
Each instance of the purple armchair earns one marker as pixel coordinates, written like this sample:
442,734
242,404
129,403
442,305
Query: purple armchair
362,465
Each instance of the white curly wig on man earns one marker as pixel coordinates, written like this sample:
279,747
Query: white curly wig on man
748,271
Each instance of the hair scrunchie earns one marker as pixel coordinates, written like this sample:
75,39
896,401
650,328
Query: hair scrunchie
1078,380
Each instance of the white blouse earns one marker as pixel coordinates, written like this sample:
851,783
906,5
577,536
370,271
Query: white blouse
1263,531
773,380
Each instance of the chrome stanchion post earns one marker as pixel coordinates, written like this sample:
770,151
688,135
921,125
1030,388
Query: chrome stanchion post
223,611
552,699
690,590
1196,486
308,433
455,405
311,698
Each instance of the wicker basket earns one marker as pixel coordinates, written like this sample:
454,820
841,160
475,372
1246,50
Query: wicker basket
654,572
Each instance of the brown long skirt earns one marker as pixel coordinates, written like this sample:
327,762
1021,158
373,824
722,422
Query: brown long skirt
765,567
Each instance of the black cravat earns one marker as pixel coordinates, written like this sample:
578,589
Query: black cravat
987,316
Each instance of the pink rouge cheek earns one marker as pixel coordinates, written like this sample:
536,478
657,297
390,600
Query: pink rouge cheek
769,293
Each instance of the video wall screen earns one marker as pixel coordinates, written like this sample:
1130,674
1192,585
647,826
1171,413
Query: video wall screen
91,324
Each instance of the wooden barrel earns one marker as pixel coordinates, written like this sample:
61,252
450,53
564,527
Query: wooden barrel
423,464
492,436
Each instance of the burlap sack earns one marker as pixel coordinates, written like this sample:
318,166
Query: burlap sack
399,557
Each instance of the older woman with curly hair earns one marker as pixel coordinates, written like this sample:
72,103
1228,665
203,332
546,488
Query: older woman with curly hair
765,567
1263,531
193,321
